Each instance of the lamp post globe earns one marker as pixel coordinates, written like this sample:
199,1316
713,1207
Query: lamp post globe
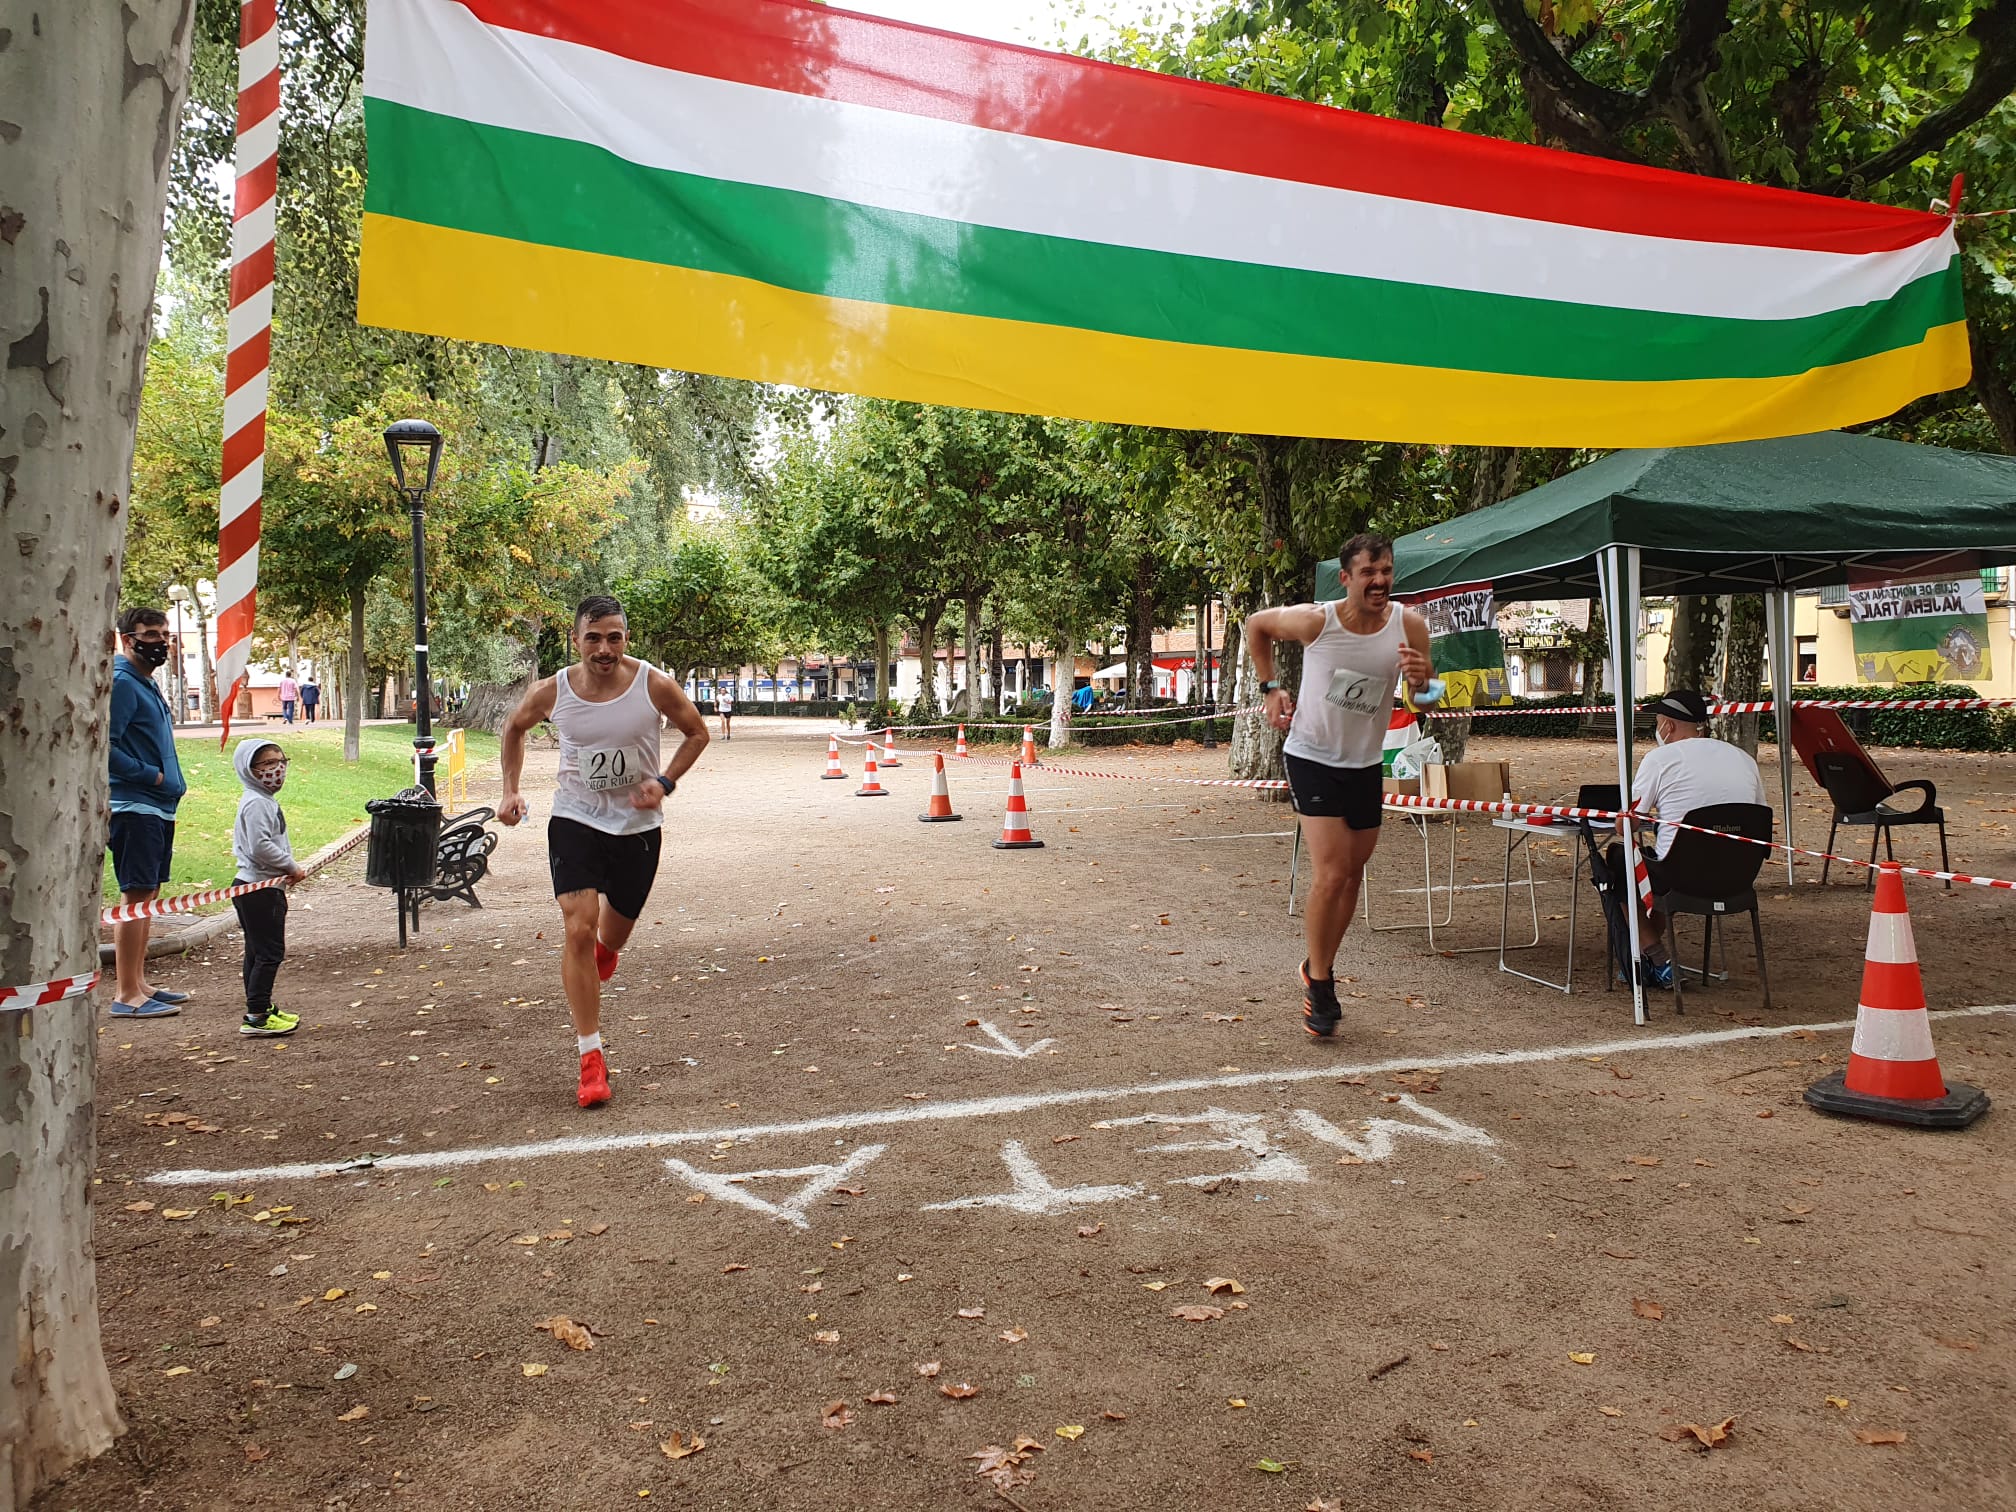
415,449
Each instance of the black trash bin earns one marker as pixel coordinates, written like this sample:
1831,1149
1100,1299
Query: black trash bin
402,852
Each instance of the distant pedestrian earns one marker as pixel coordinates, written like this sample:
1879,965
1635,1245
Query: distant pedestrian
724,705
260,846
290,692
147,785
311,699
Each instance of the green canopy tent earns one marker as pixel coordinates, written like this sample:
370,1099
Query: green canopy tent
1766,517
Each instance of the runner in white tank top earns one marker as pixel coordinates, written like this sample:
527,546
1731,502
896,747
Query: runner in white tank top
1355,653
602,842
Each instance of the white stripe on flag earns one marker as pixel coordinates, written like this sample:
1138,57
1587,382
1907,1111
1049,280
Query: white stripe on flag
1890,940
1893,1034
237,581
441,58
239,494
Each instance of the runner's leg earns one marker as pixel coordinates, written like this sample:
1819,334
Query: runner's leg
1337,858
578,910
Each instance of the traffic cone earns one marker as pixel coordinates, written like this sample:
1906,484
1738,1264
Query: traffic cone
1892,1074
961,750
940,809
833,767
889,748
1015,828
1029,747
871,786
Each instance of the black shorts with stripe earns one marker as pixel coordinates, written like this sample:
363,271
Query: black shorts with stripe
622,868
1319,791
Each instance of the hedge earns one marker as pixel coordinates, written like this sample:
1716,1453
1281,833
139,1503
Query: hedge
1086,730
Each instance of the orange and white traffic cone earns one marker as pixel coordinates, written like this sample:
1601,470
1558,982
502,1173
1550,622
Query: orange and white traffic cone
940,809
1893,1074
833,767
889,748
871,786
1015,828
1029,747
960,750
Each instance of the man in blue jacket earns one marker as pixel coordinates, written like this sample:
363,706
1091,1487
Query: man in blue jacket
146,786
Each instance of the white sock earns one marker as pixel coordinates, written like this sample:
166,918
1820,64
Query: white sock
587,1042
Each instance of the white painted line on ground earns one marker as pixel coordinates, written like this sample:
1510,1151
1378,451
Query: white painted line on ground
1020,1102
1003,1045
1252,835
1442,887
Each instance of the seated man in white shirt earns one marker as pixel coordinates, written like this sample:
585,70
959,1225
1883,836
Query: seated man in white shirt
1689,770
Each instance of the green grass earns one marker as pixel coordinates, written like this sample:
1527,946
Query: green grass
324,797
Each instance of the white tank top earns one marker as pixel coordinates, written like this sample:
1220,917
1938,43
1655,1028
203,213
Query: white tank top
606,749
1346,699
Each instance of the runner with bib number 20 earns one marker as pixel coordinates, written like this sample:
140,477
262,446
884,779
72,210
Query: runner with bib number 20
1356,651
602,841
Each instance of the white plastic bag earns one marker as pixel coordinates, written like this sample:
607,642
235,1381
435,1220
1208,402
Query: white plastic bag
1416,754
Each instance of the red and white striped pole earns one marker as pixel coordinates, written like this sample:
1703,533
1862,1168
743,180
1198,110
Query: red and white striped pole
249,338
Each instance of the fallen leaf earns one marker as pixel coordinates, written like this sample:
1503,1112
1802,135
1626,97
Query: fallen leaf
175,1370
566,1331
729,1270
1956,1344
836,1415
213,1320
1198,1314
1154,1285
1583,1359
254,1454
1648,1310
882,1398
1646,1160
176,1214
1073,1431
1091,1229
972,1312
1711,1437
1219,1284
139,1207
1426,1456
928,1369
334,1293
1271,1466
1783,1318
1609,1412
355,1415
679,1446
1114,1417
1320,1504
1013,1335
598,1230
1881,1436
960,1392
533,1370
827,1336
1799,1344
1839,1404
1235,1401
1617,1254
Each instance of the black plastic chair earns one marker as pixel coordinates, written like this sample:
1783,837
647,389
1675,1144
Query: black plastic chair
1611,891
1862,795
462,857
1706,875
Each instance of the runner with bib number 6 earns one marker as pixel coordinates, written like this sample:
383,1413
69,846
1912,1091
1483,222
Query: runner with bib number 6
603,839
1357,650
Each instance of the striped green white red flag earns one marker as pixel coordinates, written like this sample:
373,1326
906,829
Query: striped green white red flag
1399,730
782,191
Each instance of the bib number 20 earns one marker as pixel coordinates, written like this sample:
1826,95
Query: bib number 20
604,770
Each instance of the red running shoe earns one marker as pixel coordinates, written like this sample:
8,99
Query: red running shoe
605,961
594,1080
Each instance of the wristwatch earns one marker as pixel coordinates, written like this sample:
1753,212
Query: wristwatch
670,784
1272,685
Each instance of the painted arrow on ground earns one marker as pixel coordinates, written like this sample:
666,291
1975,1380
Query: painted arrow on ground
1005,1046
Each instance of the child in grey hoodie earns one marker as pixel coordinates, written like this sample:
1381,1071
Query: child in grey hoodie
259,844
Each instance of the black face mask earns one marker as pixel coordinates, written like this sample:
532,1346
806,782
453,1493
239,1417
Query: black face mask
150,653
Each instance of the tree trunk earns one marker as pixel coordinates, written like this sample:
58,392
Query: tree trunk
997,672
1284,580
1691,660
974,645
952,656
883,689
93,94
207,694
1064,667
489,704
1741,678
1992,389
353,706
927,669
1141,633
1256,745
294,652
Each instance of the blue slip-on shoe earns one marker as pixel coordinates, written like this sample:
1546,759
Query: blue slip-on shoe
164,995
152,1008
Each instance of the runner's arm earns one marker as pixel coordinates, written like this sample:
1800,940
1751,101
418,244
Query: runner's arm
536,706
1296,622
1417,663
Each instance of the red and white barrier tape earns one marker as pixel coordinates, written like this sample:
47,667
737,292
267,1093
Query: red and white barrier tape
1754,706
37,994
157,908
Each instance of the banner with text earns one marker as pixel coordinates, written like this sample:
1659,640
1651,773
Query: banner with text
1919,628
1464,641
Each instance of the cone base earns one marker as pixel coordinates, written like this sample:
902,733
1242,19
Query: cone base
1018,845
939,818
1960,1106
832,776
887,764
871,792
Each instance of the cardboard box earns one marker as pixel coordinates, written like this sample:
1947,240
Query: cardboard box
1474,781
1406,786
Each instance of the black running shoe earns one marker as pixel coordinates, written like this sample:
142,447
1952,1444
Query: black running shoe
1320,1012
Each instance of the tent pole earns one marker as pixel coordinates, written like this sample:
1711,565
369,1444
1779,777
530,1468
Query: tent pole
1779,606
1617,572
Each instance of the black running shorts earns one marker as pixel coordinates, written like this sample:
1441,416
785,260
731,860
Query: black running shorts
1327,792
620,867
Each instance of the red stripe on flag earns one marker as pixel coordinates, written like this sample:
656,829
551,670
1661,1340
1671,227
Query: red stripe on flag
234,621
238,537
815,50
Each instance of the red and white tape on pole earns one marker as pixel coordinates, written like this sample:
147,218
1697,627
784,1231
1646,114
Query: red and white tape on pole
249,343
1753,706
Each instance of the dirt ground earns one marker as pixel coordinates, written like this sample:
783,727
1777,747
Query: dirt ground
951,1135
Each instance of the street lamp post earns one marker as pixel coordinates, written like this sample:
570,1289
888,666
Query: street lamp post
409,442
180,681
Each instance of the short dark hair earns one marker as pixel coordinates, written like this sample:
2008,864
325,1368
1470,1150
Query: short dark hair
598,606
262,750
1367,542
139,616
